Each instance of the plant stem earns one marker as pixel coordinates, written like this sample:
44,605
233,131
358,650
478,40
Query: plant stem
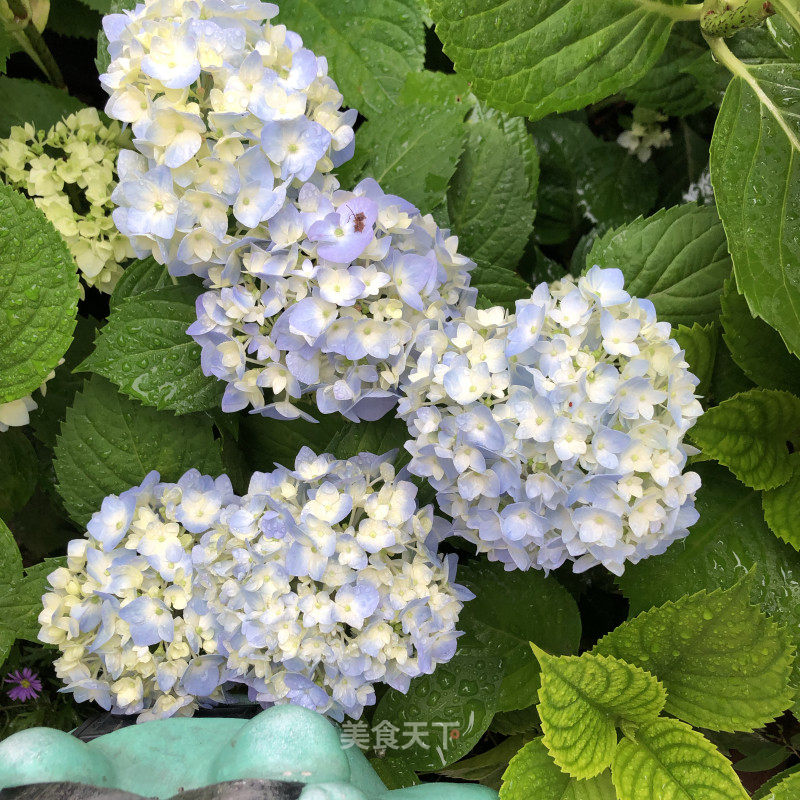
37,43
686,13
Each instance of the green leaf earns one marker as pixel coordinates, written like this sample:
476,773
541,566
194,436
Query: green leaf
145,350
109,443
101,6
21,600
700,344
749,435
724,664
553,56
38,296
783,780
756,347
730,539
370,47
139,276
677,85
670,761
436,89
677,258
376,437
461,694
73,18
412,151
533,775
488,767
510,723
755,171
551,620
19,471
582,701
394,773
40,104
491,207
780,506
10,558
586,181
265,441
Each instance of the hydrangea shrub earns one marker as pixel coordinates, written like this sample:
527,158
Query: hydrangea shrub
445,380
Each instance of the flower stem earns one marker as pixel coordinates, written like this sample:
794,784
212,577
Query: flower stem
37,43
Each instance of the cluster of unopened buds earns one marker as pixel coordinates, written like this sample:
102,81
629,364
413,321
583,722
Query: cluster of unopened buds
69,173
319,583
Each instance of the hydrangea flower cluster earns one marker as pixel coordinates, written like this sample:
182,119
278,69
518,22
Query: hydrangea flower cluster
555,433
318,583
330,303
229,114
69,172
16,413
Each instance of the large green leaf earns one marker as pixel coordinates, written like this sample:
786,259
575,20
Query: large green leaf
411,151
728,540
10,558
780,507
140,276
724,664
19,470
533,775
669,761
40,104
491,206
109,442
700,345
677,258
486,768
460,695
370,47
755,170
376,437
38,296
554,55
783,786
583,699
550,618
749,433
145,350
755,346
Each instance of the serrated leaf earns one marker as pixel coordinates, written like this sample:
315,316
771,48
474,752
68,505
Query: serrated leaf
511,723
19,470
670,761
775,788
370,47
730,539
145,350
109,442
583,699
551,620
412,151
678,259
586,181
10,558
780,506
749,433
553,56
755,171
532,773
40,104
461,694
756,347
38,296
490,202
21,600
376,437
700,344
140,276
724,664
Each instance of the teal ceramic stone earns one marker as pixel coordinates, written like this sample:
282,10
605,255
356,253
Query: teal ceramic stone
165,757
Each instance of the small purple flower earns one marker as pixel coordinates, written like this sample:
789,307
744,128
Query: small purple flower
26,685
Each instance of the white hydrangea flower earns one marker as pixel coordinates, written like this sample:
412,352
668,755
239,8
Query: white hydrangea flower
328,302
16,413
700,191
556,434
319,583
69,173
230,115
325,581
645,134
133,635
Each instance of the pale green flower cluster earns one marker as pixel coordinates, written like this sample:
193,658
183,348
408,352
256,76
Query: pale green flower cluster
69,172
